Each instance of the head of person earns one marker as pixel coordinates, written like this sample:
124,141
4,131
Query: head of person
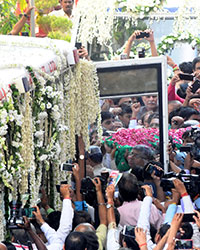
130,243
107,120
117,125
3,246
8,245
188,113
90,234
20,235
53,219
161,232
128,187
140,155
186,67
172,105
67,6
75,241
150,102
93,136
94,156
185,231
125,101
144,118
125,115
196,64
81,217
153,120
194,102
84,227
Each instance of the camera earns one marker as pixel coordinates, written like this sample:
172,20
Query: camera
141,52
17,213
191,182
142,35
186,77
88,189
193,148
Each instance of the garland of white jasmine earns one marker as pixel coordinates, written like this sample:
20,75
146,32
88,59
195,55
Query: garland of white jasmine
168,43
138,7
35,130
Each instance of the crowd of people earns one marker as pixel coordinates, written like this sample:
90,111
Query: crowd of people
146,209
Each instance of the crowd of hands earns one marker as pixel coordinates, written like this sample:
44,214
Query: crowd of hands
140,234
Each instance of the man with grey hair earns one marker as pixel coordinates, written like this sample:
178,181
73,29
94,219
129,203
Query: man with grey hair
139,156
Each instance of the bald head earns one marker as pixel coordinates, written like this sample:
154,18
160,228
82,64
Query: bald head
2,247
84,227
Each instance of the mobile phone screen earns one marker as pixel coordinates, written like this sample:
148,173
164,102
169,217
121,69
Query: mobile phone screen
129,231
184,244
195,86
67,167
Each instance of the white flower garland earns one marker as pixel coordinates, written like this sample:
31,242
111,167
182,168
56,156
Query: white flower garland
169,42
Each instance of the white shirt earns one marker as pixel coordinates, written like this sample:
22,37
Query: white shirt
57,238
60,13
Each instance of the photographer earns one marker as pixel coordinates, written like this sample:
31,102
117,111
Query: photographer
149,38
100,218
130,209
101,230
38,242
56,239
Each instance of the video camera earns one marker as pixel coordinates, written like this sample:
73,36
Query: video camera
17,213
191,182
193,148
88,189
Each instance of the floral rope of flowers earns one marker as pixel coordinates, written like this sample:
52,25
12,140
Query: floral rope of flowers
96,21
140,8
145,136
26,145
10,130
2,212
46,119
168,43
87,99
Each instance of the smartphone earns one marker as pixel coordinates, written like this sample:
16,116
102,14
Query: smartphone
29,212
78,45
184,244
150,168
129,231
66,167
186,77
185,149
189,217
195,86
142,35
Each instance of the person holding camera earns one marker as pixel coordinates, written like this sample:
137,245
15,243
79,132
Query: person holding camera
138,34
57,238
130,209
